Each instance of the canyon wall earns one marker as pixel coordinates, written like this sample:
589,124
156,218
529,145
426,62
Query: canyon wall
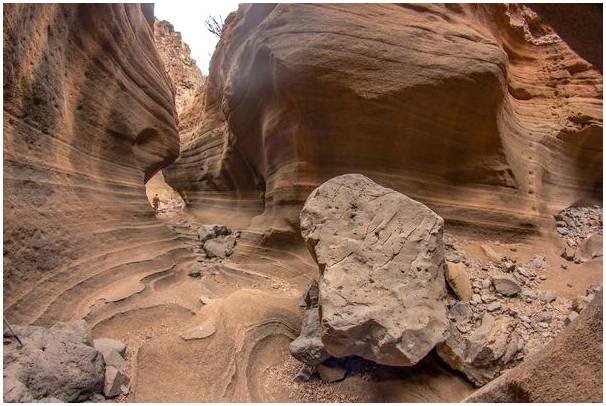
482,112
181,68
88,118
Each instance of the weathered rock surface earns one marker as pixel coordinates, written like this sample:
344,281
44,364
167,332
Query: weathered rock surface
53,363
210,231
505,284
485,353
458,280
205,330
180,67
220,247
308,346
568,370
107,344
88,118
114,381
301,93
381,257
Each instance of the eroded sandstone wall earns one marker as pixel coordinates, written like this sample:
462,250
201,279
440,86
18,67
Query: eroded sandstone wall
181,68
88,117
480,111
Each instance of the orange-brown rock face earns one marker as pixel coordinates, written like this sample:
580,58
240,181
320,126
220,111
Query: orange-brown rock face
482,112
181,68
88,118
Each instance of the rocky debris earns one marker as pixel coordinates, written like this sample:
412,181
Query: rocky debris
482,354
581,227
209,231
206,329
217,241
505,285
331,373
220,247
533,318
458,280
115,380
308,346
105,344
57,362
576,223
569,369
381,260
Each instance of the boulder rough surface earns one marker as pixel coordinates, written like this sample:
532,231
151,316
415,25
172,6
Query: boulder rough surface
58,362
381,259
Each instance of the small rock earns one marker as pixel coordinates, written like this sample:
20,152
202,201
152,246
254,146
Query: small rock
562,230
564,266
493,306
461,312
206,300
106,344
570,317
305,373
568,253
488,298
549,296
194,273
458,280
569,284
114,380
331,374
505,285
210,231
475,298
491,253
206,329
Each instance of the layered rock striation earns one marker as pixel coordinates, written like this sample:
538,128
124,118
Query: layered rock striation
180,67
89,117
481,112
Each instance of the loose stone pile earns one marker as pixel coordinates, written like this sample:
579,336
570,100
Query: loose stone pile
581,227
218,241
507,318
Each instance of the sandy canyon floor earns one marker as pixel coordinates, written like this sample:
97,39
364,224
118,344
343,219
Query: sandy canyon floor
249,303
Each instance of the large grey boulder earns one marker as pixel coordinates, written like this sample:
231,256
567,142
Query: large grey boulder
381,261
58,362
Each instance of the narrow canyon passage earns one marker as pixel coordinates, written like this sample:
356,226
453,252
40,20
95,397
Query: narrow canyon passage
480,113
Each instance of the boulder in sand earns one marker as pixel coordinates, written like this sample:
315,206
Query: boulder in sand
220,247
58,362
209,231
381,261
